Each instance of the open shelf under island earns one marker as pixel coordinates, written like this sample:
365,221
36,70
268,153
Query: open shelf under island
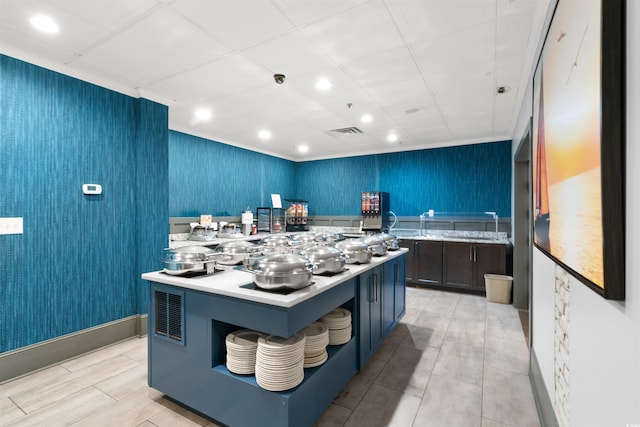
189,319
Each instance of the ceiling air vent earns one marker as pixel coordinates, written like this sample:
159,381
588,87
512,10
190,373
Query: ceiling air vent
347,131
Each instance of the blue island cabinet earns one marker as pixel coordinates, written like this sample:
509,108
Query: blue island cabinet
187,331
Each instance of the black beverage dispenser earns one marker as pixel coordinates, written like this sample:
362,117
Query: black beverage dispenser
375,210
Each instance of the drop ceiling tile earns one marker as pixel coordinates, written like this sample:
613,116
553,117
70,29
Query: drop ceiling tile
461,79
457,50
306,12
423,20
35,50
113,15
356,33
223,77
513,35
292,54
159,46
109,77
530,7
383,68
75,33
509,69
237,24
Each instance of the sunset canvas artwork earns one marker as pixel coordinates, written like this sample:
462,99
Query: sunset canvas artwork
566,155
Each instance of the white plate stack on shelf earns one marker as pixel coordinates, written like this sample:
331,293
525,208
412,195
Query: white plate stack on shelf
315,344
280,362
241,351
339,323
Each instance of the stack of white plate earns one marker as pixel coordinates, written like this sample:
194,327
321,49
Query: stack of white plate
280,361
339,323
241,350
315,344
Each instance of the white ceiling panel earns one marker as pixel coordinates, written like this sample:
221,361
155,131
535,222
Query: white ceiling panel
307,12
457,50
424,20
223,77
292,54
424,69
75,33
347,36
512,35
383,68
238,24
159,46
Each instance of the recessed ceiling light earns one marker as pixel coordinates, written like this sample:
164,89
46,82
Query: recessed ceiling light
203,114
264,135
45,24
303,148
323,84
366,118
392,137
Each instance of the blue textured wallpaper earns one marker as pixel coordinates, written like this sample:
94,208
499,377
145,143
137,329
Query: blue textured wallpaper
470,178
78,262
208,177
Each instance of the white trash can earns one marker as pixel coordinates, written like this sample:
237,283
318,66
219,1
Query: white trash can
498,288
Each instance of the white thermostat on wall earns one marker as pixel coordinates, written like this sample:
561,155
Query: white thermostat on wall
92,188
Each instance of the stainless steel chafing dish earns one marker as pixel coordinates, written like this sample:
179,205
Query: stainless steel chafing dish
281,271
190,259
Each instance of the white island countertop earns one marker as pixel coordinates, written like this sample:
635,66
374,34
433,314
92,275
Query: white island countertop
236,283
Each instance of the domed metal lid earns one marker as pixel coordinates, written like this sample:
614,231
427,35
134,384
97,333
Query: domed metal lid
304,237
373,240
236,246
276,240
189,254
387,237
352,245
277,264
321,252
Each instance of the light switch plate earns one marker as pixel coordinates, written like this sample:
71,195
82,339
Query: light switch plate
11,226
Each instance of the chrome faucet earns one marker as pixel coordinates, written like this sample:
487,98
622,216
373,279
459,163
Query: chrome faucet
495,217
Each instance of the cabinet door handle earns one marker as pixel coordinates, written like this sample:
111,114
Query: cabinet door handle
470,253
375,294
370,289
475,250
416,243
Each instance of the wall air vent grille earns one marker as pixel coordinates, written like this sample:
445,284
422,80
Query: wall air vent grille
169,316
346,131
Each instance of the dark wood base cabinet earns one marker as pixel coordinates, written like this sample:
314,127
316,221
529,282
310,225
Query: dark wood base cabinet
465,264
424,262
457,266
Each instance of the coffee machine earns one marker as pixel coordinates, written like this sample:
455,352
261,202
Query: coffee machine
375,208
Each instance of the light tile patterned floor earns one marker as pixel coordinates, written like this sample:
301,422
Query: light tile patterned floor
455,360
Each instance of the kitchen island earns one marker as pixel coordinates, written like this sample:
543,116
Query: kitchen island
189,319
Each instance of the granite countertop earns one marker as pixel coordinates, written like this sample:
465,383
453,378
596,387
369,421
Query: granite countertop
180,240
453,236
236,283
